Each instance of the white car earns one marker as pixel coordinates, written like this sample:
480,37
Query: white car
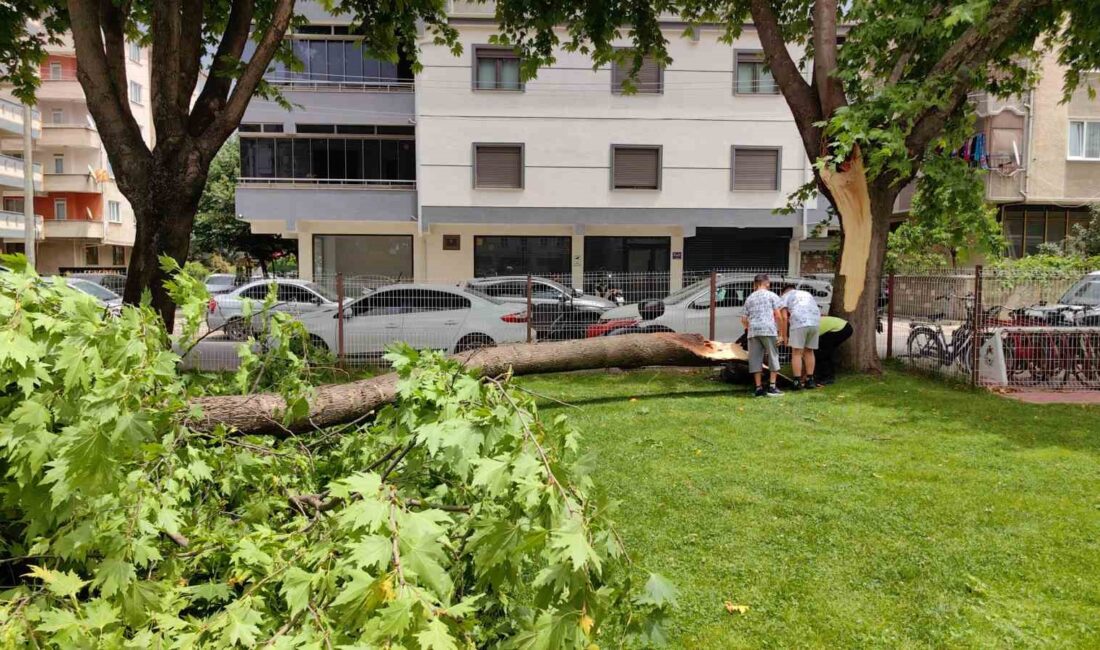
295,297
425,316
688,310
109,299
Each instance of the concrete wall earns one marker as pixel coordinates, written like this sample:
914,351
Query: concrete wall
1051,177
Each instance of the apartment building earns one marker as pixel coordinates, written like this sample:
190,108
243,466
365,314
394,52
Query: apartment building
86,221
12,222
466,171
1043,157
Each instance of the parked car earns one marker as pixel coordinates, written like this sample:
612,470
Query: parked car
296,297
558,312
425,316
115,282
688,310
109,299
1079,305
220,283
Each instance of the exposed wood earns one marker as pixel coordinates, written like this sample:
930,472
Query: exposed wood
337,404
852,199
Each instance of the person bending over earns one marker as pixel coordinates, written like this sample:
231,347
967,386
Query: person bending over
833,331
764,322
803,317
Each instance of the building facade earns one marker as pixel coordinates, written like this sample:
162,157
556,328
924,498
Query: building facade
465,171
86,222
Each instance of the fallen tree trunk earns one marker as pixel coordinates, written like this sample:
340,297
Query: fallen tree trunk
342,403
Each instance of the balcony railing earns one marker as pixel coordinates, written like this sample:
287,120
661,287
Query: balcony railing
13,112
11,171
300,81
368,183
13,223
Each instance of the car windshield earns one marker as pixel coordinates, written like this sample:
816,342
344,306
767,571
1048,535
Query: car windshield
1086,292
93,289
323,291
685,293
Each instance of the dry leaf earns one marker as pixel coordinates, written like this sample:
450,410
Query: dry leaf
736,609
586,624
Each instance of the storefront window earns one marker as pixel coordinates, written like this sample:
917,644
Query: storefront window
542,256
389,256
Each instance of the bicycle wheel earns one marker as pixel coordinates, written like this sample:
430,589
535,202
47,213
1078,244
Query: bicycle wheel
1087,366
924,343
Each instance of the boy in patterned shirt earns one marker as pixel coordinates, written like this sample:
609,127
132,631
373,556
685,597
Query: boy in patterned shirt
764,324
803,317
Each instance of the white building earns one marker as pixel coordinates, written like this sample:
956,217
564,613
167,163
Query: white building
468,172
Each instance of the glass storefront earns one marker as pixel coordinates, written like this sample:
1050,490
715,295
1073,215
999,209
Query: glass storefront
363,255
543,256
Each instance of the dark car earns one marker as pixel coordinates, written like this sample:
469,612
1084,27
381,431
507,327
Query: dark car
1079,305
558,312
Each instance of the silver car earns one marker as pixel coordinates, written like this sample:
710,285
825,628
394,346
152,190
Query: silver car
544,291
296,297
109,299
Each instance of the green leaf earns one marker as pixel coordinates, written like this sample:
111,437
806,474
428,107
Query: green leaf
572,540
295,589
363,483
372,551
242,626
113,575
436,636
658,591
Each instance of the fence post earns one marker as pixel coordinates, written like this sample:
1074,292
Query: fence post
340,319
530,312
890,316
976,331
713,302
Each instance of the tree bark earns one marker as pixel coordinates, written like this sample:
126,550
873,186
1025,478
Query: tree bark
341,403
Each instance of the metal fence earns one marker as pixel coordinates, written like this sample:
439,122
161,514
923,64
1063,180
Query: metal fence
1021,330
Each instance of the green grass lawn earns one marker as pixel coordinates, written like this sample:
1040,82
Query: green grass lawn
892,513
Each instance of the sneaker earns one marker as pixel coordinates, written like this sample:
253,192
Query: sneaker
796,386
810,384
773,391
759,392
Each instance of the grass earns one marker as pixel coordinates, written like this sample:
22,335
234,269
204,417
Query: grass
890,513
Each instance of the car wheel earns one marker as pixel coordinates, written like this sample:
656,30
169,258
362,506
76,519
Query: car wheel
474,342
237,329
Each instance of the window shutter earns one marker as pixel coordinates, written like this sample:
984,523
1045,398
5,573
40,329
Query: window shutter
756,169
648,80
498,166
636,168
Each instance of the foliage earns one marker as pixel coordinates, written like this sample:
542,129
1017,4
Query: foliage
1084,241
218,231
457,517
1043,263
885,511
949,219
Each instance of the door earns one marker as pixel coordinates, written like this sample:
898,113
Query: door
374,322
297,300
434,319
729,305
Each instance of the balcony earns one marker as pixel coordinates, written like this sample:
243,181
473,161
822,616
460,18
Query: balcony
11,120
11,173
73,183
79,136
986,104
288,199
72,229
60,87
12,224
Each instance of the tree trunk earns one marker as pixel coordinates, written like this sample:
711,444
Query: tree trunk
165,213
865,219
341,403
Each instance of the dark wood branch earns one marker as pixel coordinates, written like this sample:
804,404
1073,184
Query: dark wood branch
219,80
830,90
337,404
165,74
106,91
178,539
190,52
803,102
227,119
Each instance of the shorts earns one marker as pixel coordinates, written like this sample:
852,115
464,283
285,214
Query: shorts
804,338
757,346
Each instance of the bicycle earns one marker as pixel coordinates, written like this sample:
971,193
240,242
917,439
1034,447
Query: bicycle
927,339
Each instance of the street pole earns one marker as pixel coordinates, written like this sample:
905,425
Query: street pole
29,230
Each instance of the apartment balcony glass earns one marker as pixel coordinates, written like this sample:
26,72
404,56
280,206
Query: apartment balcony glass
368,161
11,173
339,64
11,119
12,225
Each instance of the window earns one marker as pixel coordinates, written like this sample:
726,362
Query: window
336,160
58,164
114,212
1084,140
256,292
363,255
91,256
649,80
60,209
272,127
335,62
752,75
135,52
135,92
496,68
498,165
421,300
296,294
118,256
755,169
1026,228
57,116
496,255
635,167
55,70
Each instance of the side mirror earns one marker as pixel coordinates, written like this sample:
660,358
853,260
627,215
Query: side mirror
578,293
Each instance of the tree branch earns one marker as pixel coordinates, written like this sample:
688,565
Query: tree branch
220,79
227,119
166,75
190,52
105,88
830,90
802,101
